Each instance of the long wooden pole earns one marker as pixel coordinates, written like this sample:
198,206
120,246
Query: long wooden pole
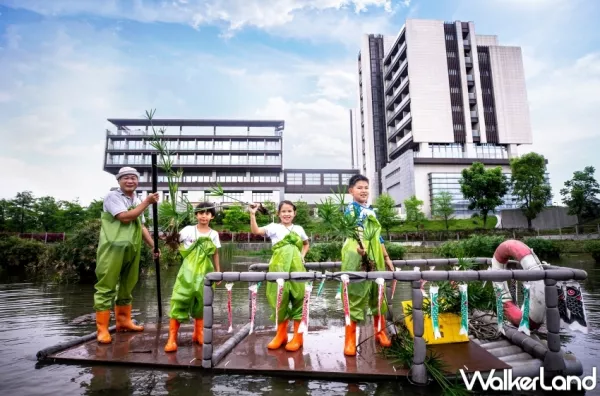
155,225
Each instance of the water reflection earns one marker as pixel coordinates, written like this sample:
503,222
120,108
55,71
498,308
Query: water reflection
33,317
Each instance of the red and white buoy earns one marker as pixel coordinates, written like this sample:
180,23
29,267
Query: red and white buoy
517,250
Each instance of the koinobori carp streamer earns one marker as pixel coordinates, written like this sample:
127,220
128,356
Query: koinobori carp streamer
253,289
229,286
305,308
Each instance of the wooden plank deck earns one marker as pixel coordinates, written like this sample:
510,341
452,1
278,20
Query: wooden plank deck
321,356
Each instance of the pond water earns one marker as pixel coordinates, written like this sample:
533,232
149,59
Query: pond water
34,316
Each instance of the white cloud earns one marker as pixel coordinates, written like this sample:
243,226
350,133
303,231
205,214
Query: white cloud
320,130
232,15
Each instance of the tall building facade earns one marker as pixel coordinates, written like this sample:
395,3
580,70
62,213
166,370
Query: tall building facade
370,137
452,97
244,157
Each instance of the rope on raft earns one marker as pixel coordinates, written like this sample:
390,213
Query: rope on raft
483,330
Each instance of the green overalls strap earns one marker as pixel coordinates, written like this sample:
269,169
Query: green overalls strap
117,261
287,257
363,294
188,293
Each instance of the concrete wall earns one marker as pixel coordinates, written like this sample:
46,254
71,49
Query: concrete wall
510,95
550,218
428,79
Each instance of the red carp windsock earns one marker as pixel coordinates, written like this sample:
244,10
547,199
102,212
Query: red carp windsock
305,308
380,285
280,284
229,286
253,290
394,283
345,279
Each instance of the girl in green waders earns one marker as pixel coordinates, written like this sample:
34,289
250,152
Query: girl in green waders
200,256
289,245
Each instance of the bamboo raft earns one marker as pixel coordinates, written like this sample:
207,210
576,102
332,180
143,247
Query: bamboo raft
322,355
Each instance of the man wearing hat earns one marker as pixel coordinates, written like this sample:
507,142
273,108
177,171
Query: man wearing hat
119,250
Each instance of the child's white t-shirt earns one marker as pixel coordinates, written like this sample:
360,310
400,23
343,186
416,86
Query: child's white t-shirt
190,234
277,231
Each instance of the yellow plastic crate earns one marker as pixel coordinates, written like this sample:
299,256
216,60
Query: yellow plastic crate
449,327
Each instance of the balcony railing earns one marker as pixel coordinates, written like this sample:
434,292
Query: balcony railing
202,162
474,114
127,147
472,96
468,59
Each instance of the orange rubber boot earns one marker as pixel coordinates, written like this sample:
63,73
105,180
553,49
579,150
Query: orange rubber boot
102,321
350,345
172,342
281,336
123,316
298,339
381,337
198,334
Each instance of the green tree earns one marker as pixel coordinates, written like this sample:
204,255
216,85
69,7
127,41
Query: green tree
442,207
414,214
48,213
529,184
386,212
94,209
303,217
484,188
5,215
579,192
22,213
236,218
72,214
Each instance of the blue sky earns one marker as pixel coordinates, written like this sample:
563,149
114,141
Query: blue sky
68,65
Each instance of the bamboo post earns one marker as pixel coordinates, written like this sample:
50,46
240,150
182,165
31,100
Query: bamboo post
155,228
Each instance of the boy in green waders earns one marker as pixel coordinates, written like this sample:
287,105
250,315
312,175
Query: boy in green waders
118,255
364,294
200,256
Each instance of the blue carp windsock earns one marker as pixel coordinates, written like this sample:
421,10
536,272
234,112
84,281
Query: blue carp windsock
253,290
338,295
305,308
499,307
229,286
321,285
576,308
433,292
524,325
464,309
280,284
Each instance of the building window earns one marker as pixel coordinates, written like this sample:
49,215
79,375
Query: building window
488,150
221,159
262,196
313,179
231,196
273,160
187,145
231,177
446,150
186,159
331,179
256,159
264,178
197,177
205,145
451,54
294,179
346,177
453,72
